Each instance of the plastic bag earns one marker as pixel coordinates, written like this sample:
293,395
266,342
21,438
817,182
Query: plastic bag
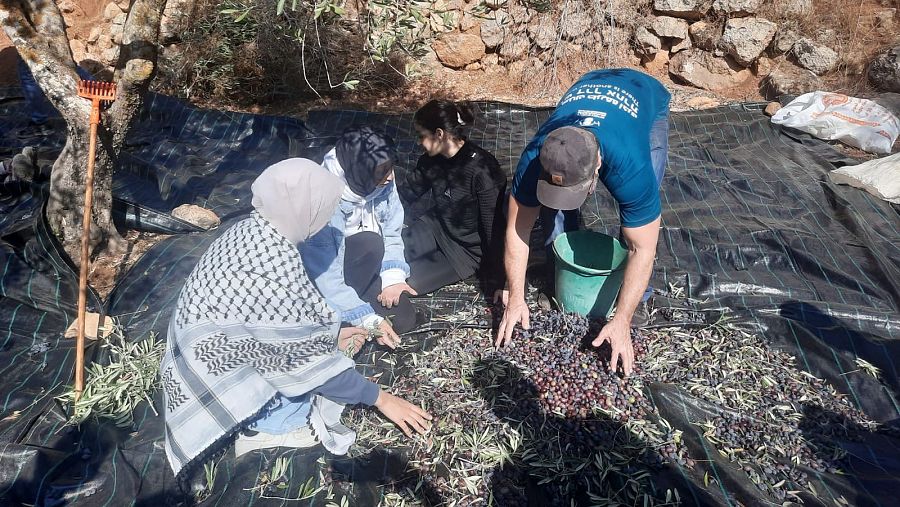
857,122
879,177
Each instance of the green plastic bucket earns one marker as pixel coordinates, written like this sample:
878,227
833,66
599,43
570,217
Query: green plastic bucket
590,267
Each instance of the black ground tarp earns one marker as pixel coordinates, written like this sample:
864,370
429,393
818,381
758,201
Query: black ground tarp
750,223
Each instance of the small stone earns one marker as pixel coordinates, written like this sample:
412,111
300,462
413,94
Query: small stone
469,24
736,8
702,103
706,35
681,46
491,60
473,66
884,70
201,217
646,41
814,57
66,6
79,49
494,29
110,56
667,26
575,24
520,14
772,108
111,11
95,34
514,47
456,50
543,32
115,33
783,41
685,9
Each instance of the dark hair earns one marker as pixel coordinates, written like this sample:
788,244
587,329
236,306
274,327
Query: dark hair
452,117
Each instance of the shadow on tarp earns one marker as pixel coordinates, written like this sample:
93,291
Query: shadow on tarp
750,224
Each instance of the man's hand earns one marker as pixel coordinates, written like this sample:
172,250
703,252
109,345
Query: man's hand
351,337
618,333
405,415
390,296
516,312
386,335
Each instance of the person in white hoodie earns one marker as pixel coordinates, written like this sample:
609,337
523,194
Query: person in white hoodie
357,261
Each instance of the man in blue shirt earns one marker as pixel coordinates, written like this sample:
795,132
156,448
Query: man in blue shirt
611,125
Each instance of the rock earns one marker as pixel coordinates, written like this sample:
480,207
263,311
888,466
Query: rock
667,26
706,35
885,19
79,49
736,8
520,14
110,56
490,60
681,46
788,79
795,8
456,50
646,41
95,34
575,24
115,33
469,24
685,9
884,71
702,103
514,47
125,5
783,41
658,63
111,11
746,38
120,19
543,32
473,66
494,29
772,108
811,56
201,217
66,6
702,69
175,20
764,66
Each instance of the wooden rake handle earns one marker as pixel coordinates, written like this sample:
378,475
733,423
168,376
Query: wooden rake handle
98,92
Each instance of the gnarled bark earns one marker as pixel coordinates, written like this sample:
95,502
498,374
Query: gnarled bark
37,29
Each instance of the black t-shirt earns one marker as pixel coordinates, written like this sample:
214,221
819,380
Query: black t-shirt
466,194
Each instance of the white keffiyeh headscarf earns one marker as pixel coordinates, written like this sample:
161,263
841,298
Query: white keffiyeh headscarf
250,325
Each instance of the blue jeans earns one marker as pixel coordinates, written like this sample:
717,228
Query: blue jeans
284,416
565,221
40,109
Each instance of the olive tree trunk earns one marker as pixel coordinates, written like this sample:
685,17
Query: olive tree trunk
37,30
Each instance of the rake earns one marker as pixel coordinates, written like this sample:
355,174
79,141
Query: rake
98,92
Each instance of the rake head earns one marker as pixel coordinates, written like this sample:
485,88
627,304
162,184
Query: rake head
97,90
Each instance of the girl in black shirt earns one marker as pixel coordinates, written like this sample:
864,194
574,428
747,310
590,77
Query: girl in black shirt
458,189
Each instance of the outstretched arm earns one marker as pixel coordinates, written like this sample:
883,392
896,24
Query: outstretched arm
518,231
641,242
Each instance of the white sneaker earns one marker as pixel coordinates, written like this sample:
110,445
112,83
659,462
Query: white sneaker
300,438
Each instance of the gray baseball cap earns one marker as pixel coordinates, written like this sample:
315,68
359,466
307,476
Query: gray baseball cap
569,159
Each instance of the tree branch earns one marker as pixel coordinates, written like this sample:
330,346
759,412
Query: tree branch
38,31
137,63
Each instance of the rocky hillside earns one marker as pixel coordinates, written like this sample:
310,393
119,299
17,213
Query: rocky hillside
531,50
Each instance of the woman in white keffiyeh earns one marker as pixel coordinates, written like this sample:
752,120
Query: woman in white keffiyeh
253,347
